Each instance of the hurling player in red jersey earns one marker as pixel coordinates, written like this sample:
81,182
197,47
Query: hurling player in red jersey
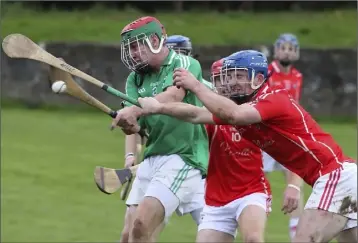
237,193
284,75
282,72
277,124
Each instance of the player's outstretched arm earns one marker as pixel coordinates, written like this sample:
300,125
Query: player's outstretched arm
171,94
188,113
182,111
225,109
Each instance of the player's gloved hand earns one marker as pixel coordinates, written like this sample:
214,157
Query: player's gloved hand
291,199
127,120
149,105
182,78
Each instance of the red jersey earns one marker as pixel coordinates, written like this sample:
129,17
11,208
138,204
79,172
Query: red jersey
291,136
291,81
235,167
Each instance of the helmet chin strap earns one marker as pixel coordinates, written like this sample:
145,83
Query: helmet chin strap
155,51
147,68
253,76
241,99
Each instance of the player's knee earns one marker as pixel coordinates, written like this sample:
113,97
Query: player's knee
253,237
139,228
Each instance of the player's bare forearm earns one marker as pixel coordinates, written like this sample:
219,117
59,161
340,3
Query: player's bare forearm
171,94
294,179
130,157
131,144
225,109
186,112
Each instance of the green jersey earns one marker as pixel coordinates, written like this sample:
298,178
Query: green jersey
168,135
208,84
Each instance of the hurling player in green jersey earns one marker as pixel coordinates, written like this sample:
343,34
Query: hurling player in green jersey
181,45
176,155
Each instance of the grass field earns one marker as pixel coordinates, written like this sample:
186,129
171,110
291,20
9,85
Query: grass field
314,29
48,193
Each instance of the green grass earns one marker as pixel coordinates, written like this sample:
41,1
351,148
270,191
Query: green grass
314,29
48,193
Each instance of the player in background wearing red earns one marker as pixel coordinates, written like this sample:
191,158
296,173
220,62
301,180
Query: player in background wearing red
284,75
277,124
237,193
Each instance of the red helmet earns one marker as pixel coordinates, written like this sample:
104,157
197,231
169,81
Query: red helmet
141,22
216,67
136,43
216,76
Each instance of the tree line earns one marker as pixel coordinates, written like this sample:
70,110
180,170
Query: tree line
179,6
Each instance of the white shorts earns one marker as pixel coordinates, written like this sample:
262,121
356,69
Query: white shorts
270,164
177,185
336,192
225,218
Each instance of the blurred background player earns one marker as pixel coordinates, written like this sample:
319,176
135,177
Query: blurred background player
182,45
284,75
170,177
237,194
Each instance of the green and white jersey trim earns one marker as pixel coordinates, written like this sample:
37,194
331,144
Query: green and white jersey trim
183,60
171,58
208,84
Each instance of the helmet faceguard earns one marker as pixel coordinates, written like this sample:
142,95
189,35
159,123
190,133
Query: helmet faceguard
136,43
240,74
286,49
180,44
217,78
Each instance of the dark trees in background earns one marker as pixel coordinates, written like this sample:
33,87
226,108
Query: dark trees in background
179,6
